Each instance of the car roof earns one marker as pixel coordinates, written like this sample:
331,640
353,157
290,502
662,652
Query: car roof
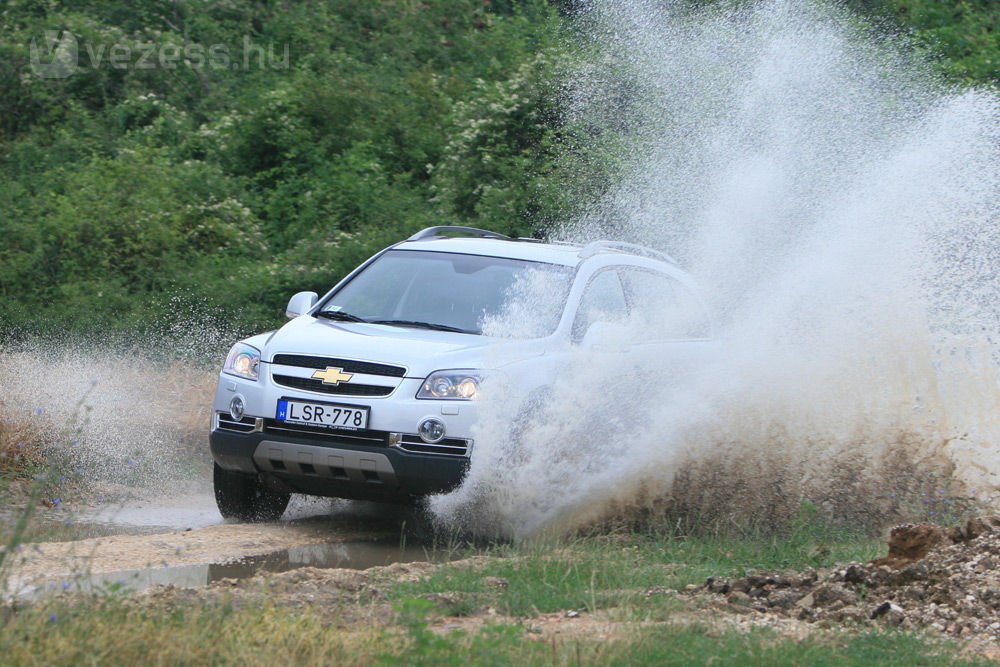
528,250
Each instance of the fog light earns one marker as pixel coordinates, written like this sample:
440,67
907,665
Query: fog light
237,408
431,430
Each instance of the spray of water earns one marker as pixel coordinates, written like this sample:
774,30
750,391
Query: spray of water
841,209
124,410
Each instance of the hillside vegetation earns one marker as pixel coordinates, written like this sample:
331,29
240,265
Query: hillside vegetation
217,156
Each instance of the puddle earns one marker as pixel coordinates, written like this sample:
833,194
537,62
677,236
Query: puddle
348,555
153,514
355,535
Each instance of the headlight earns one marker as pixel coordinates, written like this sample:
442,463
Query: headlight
460,385
243,361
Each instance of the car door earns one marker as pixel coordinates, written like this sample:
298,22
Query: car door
603,303
670,326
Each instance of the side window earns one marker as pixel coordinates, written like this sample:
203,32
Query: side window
663,308
603,301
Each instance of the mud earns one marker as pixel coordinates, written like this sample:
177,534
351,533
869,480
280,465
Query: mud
329,555
143,540
41,563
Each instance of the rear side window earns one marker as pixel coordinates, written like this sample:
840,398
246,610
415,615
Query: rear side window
663,308
603,301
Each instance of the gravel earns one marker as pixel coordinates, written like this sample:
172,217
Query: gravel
947,580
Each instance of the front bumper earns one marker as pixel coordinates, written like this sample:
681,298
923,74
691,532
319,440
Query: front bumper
364,465
385,462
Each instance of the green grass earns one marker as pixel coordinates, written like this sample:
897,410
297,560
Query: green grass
116,632
601,573
665,644
695,645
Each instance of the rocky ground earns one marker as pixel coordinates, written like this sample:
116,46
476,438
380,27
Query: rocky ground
944,580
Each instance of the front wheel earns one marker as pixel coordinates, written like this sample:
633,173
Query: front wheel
244,498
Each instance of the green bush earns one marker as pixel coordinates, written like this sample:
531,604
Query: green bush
126,188
964,35
329,129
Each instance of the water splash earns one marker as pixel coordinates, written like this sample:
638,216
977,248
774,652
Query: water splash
130,409
841,208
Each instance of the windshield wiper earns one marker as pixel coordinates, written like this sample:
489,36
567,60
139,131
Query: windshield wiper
339,316
423,325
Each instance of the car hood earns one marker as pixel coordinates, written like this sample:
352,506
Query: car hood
421,351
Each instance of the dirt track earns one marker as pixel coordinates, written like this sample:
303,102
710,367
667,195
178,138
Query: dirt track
213,544
166,538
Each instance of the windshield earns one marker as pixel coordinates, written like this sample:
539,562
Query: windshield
439,290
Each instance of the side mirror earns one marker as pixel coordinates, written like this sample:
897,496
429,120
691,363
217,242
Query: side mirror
300,304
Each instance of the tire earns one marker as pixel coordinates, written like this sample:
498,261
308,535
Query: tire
244,498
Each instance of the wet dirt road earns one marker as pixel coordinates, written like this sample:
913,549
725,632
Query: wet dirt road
181,539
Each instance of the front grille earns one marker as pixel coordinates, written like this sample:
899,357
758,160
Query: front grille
227,423
348,365
361,437
447,447
343,389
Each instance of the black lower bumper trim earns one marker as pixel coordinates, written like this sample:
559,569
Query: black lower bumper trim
399,476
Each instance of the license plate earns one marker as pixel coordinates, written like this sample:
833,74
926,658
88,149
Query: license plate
329,415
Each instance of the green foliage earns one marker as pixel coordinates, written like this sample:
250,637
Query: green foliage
964,35
233,153
228,154
489,172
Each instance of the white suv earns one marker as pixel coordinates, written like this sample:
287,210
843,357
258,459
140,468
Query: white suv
370,392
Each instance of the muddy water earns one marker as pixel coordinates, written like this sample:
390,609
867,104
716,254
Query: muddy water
140,511
192,507
181,540
345,555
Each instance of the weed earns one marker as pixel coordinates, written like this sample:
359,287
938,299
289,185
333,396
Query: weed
494,644
600,573
21,447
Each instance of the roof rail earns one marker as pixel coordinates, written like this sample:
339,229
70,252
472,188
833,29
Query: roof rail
432,232
530,239
592,249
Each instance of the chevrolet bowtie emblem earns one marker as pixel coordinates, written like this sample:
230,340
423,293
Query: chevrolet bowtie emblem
333,375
